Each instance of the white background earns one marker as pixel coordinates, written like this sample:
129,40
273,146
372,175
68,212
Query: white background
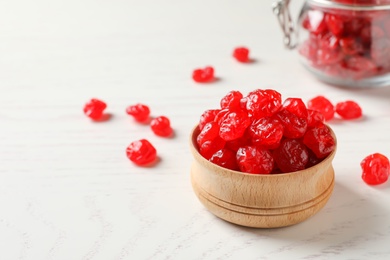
67,190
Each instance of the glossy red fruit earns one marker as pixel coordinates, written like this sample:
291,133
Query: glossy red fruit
316,22
141,152
322,105
291,155
349,109
225,158
261,103
94,109
221,115
209,141
233,125
241,54
207,116
314,118
335,24
140,112
359,66
251,159
296,106
313,159
236,144
203,75
294,127
161,126
320,140
350,46
266,132
231,100
376,169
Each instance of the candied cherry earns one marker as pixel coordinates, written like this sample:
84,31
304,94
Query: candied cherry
252,159
161,126
231,100
233,125
241,54
319,139
375,169
314,117
291,155
225,158
139,111
335,24
141,152
260,103
94,109
315,22
207,116
322,105
203,75
209,141
294,127
295,106
266,132
349,109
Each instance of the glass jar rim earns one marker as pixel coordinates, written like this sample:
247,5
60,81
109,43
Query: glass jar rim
353,7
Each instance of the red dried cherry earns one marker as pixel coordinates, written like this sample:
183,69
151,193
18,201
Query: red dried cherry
294,127
314,117
233,125
260,103
225,158
203,75
266,132
320,140
140,112
295,106
141,152
291,155
252,159
349,109
207,116
161,126
231,100
376,169
94,109
322,105
241,54
209,141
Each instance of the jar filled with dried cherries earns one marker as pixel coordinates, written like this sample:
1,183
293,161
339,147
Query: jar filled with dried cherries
342,42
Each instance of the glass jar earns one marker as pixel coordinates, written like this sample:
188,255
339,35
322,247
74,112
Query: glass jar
342,42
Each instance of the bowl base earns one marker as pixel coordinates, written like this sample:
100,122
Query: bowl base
260,217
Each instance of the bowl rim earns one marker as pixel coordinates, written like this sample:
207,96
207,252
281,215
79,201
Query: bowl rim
195,152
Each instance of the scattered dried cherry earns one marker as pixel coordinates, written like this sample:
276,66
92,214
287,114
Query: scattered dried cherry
241,54
140,112
376,169
203,75
349,109
161,126
94,109
141,152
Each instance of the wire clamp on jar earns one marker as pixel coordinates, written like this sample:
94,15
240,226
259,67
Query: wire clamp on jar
281,10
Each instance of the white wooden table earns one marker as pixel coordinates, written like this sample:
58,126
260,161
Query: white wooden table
67,190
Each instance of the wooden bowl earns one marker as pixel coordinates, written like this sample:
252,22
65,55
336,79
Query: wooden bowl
261,200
